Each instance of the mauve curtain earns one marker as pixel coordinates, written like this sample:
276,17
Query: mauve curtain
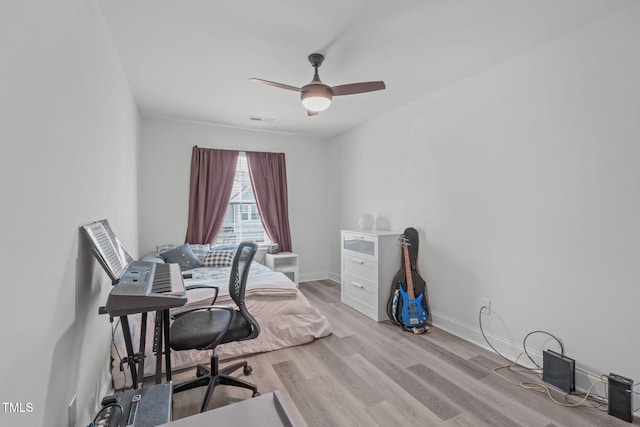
268,173
212,174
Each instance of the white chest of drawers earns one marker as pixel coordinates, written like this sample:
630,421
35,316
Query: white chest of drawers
369,260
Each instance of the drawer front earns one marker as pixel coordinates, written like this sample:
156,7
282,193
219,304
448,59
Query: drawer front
359,289
360,245
360,267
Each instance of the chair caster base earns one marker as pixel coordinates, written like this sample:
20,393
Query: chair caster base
201,371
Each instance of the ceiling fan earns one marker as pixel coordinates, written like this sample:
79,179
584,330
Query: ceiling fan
316,96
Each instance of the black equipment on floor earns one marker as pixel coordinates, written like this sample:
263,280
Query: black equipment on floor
620,394
147,407
559,370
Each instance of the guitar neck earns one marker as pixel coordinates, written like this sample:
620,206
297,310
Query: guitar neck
407,265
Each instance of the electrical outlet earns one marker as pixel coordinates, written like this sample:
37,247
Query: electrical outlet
486,303
72,412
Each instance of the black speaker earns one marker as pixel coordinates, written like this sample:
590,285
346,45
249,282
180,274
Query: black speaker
620,393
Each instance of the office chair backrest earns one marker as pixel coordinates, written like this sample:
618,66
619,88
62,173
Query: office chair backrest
238,281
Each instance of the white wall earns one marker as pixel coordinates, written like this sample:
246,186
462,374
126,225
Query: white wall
69,138
164,184
523,181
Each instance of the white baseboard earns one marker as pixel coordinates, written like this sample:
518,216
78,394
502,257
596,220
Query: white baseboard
473,334
334,277
322,275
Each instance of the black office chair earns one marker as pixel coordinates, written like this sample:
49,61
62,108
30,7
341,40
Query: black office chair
204,328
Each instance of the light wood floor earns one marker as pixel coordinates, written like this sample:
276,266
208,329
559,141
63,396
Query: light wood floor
373,374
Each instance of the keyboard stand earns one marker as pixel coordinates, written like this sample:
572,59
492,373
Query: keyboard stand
161,331
136,360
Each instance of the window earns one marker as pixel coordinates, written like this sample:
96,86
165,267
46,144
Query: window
249,213
242,221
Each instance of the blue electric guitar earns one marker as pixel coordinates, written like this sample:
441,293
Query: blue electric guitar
413,315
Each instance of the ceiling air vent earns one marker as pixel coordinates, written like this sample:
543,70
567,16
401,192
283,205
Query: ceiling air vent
261,119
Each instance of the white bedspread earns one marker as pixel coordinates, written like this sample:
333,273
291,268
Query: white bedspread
285,316
261,281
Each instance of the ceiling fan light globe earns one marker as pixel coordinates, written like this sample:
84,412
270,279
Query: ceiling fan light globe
316,103
316,97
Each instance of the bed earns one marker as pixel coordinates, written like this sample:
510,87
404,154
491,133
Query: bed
285,316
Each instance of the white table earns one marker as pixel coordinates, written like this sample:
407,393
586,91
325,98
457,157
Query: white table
269,410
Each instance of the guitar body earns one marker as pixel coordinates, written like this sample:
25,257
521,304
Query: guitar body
407,305
413,313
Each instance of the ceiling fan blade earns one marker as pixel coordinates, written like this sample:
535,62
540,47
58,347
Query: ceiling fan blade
353,88
312,113
274,84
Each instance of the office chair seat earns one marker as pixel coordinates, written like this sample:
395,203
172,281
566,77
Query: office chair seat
204,328
201,328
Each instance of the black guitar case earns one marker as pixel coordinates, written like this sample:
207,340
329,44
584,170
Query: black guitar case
394,304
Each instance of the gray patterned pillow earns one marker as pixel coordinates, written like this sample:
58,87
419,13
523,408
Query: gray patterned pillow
183,256
218,259
199,250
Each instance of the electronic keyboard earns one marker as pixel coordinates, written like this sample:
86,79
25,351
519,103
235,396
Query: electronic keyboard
147,286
